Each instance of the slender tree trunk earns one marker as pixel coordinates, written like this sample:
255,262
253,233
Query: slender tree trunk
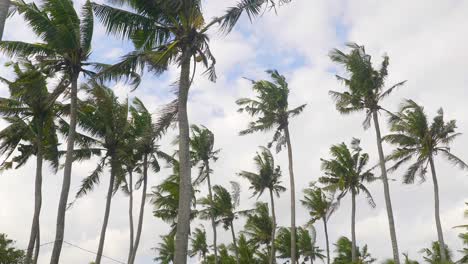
106,212
60,228
293,196
130,214
273,231
213,223
4,6
440,234
234,241
325,227
185,188
37,246
37,196
353,228
142,209
388,202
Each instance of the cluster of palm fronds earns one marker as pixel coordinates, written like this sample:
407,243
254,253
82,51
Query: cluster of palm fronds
47,103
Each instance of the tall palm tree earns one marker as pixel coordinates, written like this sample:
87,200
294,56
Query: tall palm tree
4,6
224,208
418,140
346,173
31,113
199,245
106,120
166,249
66,48
165,33
365,91
267,177
272,111
202,151
145,134
320,207
307,245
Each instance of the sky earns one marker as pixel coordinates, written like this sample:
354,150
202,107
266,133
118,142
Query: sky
426,42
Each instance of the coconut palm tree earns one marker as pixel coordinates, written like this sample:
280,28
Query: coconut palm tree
31,112
8,253
419,141
202,151
65,48
166,33
247,250
272,111
346,173
320,207
365,91
343,251
224,208
407,260
433,255
166,249
4,6
199,245
267,177
106,120
307,247
146,153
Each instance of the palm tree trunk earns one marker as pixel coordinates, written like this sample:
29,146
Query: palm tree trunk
34,236
234,241
440,234
142,210
37,196
213,223
293,196
130,213
353,227
388,202
325,227
4,6
106,212
60,228
185,188
273,231
38,246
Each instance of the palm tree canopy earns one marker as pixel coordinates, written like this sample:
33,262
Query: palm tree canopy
66,37
319,205
224,205
283,243
30,108
365,84
307,245
267,177
106,121
165,31
166,250
202,150
346,171
343,250
198,241
259,225
432,255
417,139
270,107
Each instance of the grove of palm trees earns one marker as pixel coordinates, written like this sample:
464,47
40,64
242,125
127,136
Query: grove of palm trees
237,131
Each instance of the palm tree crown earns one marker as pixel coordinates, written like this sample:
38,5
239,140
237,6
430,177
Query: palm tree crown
346,171
418,140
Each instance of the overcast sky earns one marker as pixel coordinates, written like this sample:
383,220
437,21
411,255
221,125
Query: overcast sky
426,42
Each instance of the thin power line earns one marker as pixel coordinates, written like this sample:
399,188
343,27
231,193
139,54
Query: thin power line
92,252
86,250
